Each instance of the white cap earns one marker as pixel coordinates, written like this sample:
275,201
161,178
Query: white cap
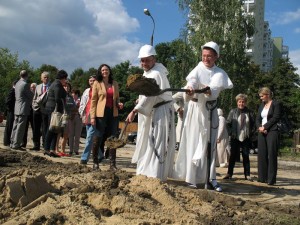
146,51
213,46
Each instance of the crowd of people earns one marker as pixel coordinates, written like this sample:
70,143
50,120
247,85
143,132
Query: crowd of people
34,104
206,139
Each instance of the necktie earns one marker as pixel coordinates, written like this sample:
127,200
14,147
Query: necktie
45,89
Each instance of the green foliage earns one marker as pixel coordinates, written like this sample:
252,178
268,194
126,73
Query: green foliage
128,98
10,69
281,80
178,58
79,78
36,76
227,26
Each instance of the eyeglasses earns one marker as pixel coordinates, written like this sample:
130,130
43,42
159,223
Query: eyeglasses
262,95
207,56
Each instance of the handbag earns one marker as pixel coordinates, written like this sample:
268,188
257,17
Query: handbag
58,120
42,99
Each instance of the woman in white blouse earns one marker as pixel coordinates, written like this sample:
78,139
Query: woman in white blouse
268,136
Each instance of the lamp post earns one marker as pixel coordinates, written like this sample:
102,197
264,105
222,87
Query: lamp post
147,12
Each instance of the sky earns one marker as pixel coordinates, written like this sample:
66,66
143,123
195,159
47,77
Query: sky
72,34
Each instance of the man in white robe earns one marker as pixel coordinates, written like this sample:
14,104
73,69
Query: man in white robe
191,162
155,146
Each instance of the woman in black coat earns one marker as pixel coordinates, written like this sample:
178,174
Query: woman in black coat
56,96
268,137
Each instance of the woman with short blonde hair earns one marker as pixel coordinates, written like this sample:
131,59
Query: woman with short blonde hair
241,128
241,97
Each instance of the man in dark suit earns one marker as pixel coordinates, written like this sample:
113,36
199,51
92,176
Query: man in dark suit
10,116
23,102
40,118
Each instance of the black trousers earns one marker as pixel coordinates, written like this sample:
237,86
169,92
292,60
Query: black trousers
236,145
10,117
29,121
267,156
40,127
107,126
51,137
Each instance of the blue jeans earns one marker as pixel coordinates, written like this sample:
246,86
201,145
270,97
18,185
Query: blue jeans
90,132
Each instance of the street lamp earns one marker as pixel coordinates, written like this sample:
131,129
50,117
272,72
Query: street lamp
147,12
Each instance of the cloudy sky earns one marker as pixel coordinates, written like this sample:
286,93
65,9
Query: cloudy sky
86,33
77,33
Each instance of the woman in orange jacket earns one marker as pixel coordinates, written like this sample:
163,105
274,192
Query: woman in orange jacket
104,111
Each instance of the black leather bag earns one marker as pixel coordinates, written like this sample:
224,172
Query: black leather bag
284,126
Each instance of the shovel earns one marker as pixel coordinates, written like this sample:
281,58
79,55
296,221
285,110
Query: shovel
114,142
148,86
210,106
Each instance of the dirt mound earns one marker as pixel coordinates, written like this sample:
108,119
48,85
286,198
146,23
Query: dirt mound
35,190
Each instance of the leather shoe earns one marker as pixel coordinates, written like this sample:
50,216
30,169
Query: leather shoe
84,162
18,149
227,177
35,148
51,154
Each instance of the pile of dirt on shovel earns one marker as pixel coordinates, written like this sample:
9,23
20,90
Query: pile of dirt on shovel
35,191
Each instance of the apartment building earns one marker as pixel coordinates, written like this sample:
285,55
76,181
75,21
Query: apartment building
262,48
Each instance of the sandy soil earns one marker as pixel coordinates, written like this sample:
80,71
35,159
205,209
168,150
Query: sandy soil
40,190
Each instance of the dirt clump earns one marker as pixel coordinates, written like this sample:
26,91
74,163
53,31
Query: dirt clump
35,190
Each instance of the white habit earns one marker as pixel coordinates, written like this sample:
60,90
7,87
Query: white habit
191,162
155,145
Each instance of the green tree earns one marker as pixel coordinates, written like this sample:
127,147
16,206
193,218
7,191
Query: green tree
282,81
45,67
79,78
128,98
178,58
225,24
10,69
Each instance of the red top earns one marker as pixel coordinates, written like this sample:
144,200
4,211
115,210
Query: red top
109,97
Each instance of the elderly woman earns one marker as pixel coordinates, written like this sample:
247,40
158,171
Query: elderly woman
268,138
241,127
